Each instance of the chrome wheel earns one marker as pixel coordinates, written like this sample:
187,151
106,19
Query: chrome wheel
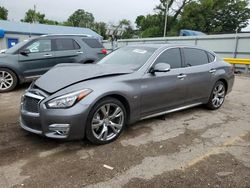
218,95
107,122
6,80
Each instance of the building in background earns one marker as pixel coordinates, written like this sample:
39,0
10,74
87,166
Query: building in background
13,32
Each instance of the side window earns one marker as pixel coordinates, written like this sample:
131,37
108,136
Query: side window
194,57
39,46
66,44
172,57
92,43
211,57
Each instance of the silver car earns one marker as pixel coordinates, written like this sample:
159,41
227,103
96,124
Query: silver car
96,101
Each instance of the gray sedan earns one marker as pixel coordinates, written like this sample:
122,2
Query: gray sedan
96,101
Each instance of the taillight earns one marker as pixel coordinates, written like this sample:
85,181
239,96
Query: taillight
104,51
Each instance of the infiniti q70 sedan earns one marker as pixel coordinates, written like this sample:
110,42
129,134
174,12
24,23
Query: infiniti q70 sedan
96,101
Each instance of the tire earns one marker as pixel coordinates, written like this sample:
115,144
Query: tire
8,80
217,96
106,121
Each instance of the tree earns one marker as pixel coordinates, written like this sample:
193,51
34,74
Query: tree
175,8
81,18
152,25
125,25
3,13
215,16
100,28
32,16
51,22
128,29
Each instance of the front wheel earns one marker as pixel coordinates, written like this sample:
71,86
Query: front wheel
217,96
106,121
8,80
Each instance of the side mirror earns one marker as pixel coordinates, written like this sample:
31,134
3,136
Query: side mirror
160,67
25,52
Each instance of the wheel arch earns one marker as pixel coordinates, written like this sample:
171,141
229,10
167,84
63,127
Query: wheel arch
122,99
224,82
15,72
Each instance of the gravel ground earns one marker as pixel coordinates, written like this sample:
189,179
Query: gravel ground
191,148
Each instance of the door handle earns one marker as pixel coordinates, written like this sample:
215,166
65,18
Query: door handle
79,52
212,71
48,55
182,76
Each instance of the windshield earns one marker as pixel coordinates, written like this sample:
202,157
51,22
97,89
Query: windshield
16,47
131,56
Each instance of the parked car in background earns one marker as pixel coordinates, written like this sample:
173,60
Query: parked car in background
132,83
30,59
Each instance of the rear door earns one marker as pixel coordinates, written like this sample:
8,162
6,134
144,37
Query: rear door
164,90
199,73
67,50
40,58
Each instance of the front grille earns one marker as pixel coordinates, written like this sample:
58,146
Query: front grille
31,104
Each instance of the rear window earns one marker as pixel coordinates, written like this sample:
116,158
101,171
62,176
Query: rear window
194,57
93,43
66,44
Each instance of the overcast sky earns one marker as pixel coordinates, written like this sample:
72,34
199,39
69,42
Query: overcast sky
107,10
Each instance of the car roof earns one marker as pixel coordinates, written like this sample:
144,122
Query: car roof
67,35
160,45
168,45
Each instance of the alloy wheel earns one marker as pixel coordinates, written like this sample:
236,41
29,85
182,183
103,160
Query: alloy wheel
218,95
107,122
6,80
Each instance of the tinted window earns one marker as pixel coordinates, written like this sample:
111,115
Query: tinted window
93,43
172,57
195,57
66,44
39,46
211,57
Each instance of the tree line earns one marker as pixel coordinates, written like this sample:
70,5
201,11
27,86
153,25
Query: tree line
208,16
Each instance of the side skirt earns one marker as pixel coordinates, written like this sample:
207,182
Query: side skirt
172,110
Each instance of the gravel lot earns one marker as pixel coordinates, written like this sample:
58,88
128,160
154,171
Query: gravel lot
191,148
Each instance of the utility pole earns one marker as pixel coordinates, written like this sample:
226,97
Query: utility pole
236,43
34,18
166,19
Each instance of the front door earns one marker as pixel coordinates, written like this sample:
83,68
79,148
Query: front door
39,59
162,91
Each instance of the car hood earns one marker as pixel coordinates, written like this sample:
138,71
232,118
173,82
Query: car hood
64,75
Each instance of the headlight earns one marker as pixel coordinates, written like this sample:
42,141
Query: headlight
68,100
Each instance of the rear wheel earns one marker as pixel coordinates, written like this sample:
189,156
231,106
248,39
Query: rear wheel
8,80
106,121
217,96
